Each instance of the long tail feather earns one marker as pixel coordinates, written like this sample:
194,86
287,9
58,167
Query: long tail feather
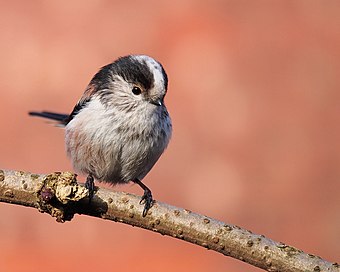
50,115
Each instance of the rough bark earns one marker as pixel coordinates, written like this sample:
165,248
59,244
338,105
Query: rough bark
61,196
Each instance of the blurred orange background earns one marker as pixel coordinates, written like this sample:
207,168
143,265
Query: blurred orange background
254,96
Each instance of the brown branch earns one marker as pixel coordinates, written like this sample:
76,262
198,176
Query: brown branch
60,195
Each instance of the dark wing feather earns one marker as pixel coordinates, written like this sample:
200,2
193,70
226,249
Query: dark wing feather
80,105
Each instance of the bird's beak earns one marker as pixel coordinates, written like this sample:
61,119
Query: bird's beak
157,102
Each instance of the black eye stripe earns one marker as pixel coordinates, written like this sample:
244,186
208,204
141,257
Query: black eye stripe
136,90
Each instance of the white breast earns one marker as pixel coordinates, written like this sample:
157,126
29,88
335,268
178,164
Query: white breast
116,147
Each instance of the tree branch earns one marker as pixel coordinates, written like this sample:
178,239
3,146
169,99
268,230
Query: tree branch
61,196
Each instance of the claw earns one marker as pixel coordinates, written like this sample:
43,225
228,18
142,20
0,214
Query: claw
147,199
89,185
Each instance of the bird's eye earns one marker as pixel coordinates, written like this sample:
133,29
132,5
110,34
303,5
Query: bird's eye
136,91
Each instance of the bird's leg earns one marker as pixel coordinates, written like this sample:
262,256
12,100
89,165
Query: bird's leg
89,185
146,198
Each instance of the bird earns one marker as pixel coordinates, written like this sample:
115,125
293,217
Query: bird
120,126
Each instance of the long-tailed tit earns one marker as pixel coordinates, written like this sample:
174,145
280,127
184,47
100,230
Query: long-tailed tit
120,126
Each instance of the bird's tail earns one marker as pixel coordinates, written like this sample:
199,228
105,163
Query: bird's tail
62,118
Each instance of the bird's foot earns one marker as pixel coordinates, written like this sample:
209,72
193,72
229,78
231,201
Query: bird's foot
89,185
147,199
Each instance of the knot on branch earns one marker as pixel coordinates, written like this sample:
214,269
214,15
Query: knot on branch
59,194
